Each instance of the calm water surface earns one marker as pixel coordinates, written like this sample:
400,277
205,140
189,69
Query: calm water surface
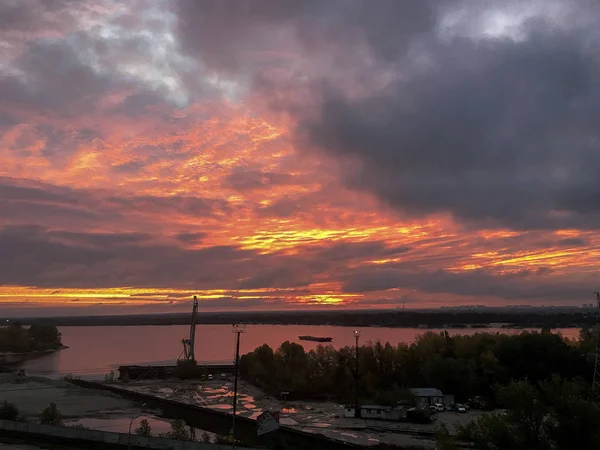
95,351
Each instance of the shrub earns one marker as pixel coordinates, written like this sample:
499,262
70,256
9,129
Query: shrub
8,411
51,415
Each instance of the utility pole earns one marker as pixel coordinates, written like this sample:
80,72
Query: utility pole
356,406
596,379
237,329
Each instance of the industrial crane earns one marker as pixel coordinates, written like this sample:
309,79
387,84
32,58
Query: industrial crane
188,343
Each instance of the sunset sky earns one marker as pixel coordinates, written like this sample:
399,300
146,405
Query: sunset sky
276,154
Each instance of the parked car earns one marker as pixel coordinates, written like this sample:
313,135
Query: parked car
460,408
202,377
210,377
223,376
439,407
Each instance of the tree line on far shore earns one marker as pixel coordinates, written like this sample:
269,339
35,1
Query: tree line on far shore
465,366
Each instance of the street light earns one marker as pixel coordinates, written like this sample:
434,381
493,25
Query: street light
356,407
237,329
130,424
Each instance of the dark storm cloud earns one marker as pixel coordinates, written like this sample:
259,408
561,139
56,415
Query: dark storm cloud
573,242
31,15
285,207
194,206
102,240
280,277
227,35
190,238
525,285
31,202
55,78
39,257
497,132
244,180
345,251
26,201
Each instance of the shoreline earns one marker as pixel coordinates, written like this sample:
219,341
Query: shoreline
424,327
14,359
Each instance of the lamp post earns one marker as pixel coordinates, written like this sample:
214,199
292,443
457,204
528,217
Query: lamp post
130,424
356,406
237,329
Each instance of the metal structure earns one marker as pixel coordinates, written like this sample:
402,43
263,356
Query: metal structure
356,405
189,342
596,379
237,329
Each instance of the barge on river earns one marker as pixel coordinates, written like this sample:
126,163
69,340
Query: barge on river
315,339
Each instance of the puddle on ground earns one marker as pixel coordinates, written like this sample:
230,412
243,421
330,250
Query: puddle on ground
121,424
355,436
255,414
249,406
288,410
287,421
213,396
221,406
320,425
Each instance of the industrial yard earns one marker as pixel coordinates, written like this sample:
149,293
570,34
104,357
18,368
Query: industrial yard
313,417
77,406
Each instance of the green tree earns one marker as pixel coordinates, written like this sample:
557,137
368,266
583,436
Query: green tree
573,422
444,440
51,415
187,369
554,416
44,337
178,431
110,377
144,429
8,411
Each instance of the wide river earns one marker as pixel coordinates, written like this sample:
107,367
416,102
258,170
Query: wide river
95,351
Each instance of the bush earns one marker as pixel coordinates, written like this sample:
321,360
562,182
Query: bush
110,377
187,369
178,431
8,411
144,429
51,415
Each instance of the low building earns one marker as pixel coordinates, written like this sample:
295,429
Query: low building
427,396
349,411
376,412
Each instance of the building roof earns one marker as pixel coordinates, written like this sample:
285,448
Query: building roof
426,392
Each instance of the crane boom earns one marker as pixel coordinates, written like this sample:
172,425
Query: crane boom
193,329
189,342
